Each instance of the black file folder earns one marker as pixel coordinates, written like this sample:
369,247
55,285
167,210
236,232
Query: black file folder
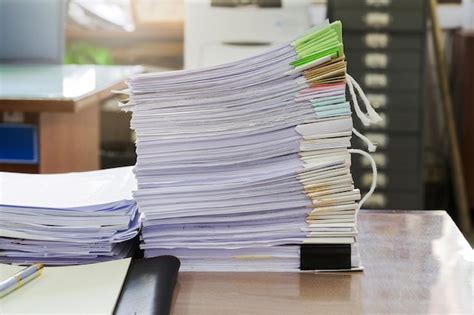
325,257
149,286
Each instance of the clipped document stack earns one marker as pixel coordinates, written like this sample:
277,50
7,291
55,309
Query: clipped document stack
245,166
62,219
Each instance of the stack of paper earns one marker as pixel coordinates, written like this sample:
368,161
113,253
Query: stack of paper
240,164
72,218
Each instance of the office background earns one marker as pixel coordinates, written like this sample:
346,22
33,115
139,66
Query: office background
390,50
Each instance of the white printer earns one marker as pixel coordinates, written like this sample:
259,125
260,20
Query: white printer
219,31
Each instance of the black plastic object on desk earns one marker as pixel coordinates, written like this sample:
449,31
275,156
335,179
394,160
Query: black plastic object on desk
149,286
325,256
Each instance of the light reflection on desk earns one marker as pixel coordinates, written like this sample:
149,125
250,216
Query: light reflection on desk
414,263
451,276
79,83
58,82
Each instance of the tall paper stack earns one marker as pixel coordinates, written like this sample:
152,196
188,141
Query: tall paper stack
63,219
241,165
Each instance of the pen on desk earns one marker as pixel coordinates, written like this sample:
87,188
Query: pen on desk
20,278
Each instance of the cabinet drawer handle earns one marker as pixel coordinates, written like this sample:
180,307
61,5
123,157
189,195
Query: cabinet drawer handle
377,19
377,3
376,40
375,80
376,60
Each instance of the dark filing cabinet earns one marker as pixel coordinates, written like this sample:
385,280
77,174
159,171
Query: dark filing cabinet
384,43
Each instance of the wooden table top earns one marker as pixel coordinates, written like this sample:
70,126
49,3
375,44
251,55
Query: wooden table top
59,88
414,262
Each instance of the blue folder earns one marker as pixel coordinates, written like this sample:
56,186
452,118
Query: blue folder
18,143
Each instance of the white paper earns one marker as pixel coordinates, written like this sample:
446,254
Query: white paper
69,190
86,289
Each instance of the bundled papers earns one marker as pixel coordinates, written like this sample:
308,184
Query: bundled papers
62,219
240,164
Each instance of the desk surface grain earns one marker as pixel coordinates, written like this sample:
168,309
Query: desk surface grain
414,263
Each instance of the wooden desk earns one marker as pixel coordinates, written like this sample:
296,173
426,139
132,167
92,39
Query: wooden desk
62,100
415,263
463,90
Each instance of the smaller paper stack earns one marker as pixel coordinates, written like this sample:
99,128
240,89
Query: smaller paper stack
63,219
